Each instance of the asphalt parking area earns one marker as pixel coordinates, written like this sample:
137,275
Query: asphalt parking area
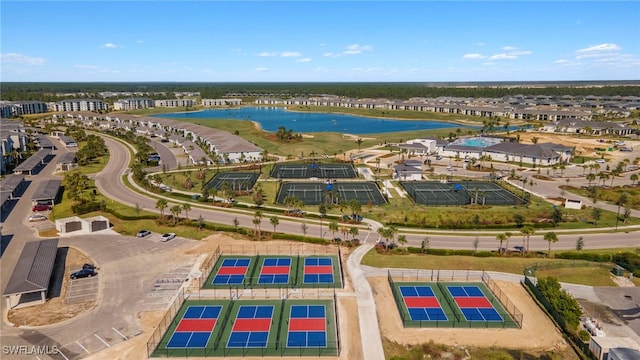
81,290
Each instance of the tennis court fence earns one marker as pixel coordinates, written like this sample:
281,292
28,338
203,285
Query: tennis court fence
165,322
456,319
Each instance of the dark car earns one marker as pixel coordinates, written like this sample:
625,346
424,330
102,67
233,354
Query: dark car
143,233
83,273
88,266
40,207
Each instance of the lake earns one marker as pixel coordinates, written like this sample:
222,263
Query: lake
270,119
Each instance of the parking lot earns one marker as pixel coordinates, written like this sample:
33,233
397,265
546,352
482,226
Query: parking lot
81,290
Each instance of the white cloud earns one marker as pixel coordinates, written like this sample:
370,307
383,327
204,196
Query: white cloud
304,60
474,56
503,56
561,61
597,51
110,46
355,49
599,48
480,43
21,59
510,53
80,66
290,54
261,69
268,53
330,54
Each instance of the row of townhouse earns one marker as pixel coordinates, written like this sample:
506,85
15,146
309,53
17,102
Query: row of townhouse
517,107
10,109
78,105
597,128
196,140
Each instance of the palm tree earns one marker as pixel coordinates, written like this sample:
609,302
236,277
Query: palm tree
402,239
591,177
354,232
501,237
359,141
633,178
161,204
551,237
526,232
175,210
333,227
257,220
322,209
274,222
186,207
507,235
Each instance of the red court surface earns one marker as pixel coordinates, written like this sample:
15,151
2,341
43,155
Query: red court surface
196,325
473,302
274,270
421,302
307,324
322,269
252,325
228,270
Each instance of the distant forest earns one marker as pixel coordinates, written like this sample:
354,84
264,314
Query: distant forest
47,91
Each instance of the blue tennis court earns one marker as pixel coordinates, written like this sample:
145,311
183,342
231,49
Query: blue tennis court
473,304
422,304
251,327
307,326
275,271
318,270
232,271
195,327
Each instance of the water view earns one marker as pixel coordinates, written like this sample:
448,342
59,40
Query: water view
271,119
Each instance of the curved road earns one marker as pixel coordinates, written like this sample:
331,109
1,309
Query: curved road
110,183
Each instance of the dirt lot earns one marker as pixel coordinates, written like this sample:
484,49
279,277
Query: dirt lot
585,146
537,333
55,310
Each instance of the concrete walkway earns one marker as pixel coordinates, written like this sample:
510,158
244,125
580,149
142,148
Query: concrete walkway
369,329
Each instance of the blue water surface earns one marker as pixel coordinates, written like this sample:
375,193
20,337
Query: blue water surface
270,119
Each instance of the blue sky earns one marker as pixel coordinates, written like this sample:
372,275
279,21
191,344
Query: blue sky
298,41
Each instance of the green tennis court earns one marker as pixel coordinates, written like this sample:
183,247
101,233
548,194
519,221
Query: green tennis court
457,193
315,193
313,170
237,181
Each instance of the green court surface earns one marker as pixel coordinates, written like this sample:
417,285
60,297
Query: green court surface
455,311
273,328
236,181
313,170
457,193
275,271
315,193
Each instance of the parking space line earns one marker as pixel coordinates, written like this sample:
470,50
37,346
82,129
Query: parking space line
99,338
83,348
119,333
63,355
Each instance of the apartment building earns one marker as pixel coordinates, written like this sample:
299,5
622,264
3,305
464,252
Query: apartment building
133,104
79,105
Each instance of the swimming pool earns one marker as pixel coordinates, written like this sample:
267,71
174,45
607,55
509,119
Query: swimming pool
479,141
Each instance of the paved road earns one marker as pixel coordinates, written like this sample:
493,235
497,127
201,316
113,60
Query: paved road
113,187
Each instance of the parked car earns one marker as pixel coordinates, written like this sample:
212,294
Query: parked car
40,208
37,217
600,161
143,233
167,237
83,273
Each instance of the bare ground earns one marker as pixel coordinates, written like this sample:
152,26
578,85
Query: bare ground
55,309
538,333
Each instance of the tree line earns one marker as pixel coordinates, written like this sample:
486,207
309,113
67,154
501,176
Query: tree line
15,91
